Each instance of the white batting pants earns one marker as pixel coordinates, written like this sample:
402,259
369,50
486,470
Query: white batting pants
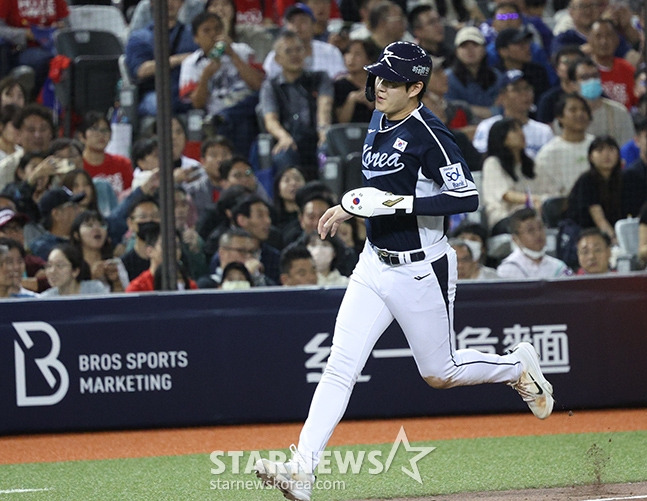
420,296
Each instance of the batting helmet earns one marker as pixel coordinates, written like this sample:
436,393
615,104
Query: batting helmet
399,62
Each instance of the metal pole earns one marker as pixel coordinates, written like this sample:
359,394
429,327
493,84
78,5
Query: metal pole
644,21
164,115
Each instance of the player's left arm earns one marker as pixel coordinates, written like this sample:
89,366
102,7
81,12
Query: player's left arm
444,164
458,193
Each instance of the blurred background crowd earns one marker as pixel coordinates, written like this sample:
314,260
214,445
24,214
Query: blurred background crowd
546,98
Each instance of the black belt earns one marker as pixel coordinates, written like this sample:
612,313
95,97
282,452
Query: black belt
393,258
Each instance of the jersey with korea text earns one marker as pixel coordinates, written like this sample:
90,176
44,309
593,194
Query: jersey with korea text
415,156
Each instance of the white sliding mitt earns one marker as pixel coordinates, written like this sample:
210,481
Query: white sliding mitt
369,202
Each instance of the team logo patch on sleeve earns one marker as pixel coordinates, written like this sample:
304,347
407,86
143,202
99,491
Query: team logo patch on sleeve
453,176
400,144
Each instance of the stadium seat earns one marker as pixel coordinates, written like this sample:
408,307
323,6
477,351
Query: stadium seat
552,211
101,18
6,51
90,82
343,168
128,94
627,235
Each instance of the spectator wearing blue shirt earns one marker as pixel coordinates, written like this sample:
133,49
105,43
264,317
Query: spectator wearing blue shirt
630,150
513,47
507,15
140,60
639,165
470,77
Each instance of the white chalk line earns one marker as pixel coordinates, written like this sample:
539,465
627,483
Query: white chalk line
622,498
20,491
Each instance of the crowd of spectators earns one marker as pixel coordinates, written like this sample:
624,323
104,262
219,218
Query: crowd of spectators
547,100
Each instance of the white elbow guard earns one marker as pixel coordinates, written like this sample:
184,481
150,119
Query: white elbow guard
369,202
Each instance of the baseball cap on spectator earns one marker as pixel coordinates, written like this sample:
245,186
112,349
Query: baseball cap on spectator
8,215
298,8
510,36
510,77
469,34
8,193
56,197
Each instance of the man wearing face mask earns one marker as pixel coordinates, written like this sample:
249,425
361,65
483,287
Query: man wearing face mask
468,254
529,259
608,116
324,254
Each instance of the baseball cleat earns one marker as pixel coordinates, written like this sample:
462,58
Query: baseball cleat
533,387
290,478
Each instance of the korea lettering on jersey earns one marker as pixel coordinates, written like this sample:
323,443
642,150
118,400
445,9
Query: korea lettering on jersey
416,156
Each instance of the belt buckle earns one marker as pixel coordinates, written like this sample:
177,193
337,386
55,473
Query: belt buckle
385,256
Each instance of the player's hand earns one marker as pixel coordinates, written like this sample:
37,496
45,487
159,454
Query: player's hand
329,222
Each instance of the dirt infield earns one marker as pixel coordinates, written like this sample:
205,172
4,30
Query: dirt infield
166,442
604,492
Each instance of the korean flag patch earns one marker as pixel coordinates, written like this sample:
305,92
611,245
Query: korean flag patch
453,176
400,144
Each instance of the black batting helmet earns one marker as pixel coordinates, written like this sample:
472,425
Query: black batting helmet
399,62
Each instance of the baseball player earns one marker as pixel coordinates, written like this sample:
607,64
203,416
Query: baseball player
415,176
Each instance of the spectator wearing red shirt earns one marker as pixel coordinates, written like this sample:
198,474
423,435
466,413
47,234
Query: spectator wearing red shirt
617,74
148,280
95,133
26,31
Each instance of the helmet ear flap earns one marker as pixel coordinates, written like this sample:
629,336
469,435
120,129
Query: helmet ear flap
369,90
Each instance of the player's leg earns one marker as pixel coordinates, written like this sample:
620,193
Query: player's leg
427,323
424,309
361,320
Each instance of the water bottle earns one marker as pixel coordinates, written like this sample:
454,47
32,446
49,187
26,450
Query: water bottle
218,50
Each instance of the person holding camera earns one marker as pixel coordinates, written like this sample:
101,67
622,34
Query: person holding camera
221,77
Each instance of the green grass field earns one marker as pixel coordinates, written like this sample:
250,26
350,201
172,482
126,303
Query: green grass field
454,466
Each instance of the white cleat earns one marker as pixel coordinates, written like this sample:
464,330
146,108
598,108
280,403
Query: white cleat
290,478
533,387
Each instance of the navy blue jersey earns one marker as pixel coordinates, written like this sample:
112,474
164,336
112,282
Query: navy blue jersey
415,156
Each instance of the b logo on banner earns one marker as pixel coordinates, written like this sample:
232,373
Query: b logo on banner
48,365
